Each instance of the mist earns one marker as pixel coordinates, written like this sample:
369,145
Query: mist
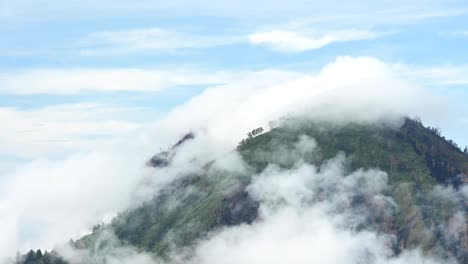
325,214
47,202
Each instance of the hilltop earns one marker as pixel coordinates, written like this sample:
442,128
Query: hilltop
420,167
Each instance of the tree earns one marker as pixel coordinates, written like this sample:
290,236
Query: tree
97,227
417,119
30,257
38,254
453,143
435,130
466,150
257,131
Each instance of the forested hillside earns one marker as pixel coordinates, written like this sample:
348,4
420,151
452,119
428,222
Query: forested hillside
422,167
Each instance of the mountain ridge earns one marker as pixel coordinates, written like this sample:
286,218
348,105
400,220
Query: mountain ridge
415,158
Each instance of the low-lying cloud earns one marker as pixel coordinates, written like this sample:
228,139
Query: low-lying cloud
308,216
94,185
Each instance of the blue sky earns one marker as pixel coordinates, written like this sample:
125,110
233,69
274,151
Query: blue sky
94,71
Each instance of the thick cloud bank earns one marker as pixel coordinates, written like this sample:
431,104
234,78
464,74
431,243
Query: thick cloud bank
49,201
346,90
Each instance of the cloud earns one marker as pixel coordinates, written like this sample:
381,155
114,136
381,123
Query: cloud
89,186
47,201
287,41
50,201
72,81
108,250
148,40
307,214
306,217
62,129
164,40
366,89
345,90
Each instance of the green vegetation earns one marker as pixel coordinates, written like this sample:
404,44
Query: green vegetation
37,257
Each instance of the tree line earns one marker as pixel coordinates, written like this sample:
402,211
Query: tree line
438,132
250,136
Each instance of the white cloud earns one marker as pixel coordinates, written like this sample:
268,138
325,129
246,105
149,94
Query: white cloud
348,89
62,129
287,41
91,185
306,218
109,250
48,202
148,40
71,81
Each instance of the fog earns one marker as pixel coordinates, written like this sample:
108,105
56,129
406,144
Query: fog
47,202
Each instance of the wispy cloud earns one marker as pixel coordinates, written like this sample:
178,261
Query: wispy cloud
149,40
62,129
290,41
71,81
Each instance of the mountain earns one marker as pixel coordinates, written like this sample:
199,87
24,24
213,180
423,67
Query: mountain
425,177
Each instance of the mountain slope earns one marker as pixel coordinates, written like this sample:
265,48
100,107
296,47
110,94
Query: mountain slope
415,158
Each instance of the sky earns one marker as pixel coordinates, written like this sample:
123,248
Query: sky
81,76
75,74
